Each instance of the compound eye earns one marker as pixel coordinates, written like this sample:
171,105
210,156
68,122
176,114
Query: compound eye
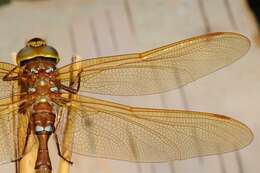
34,70
50,69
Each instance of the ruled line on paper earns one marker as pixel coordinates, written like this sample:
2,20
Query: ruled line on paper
164,105
153,168
208,29
230,14
129,16
234,26
186,107
204,15
172,168
74,59
133,147
93,31
111,29
239,162
222,164
72,39
111,33
97,45
132,30
115,45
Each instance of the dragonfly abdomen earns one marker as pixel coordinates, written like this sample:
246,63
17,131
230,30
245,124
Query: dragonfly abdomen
43,120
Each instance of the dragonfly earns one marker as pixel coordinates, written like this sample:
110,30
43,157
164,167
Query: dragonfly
40,100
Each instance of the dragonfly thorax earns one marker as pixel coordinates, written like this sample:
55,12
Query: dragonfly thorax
40,81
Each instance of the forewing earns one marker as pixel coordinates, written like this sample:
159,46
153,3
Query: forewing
108,130
157,70
13,130
7,88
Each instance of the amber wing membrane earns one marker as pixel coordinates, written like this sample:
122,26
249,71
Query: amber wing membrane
108,130
13,130
157,70
7,88
13,125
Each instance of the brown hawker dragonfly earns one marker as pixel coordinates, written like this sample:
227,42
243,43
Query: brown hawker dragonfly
40,100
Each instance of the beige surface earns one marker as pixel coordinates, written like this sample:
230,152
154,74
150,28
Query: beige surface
93,28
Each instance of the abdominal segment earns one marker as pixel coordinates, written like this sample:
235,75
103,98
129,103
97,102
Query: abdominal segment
43,121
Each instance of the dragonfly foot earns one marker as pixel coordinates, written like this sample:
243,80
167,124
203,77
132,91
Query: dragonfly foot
70,162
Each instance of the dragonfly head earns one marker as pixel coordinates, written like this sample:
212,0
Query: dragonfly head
36,48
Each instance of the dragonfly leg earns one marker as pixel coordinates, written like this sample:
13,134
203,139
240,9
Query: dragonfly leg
77,79
16,160
70,88
8,76
61,101
23,107
59,151
28,133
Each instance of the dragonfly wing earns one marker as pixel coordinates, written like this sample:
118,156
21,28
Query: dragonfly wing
108,130
7,88
13,130
157,70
